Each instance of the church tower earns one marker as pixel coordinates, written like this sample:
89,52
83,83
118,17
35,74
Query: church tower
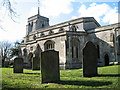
36,22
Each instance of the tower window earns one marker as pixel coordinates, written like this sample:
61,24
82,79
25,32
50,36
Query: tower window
43,25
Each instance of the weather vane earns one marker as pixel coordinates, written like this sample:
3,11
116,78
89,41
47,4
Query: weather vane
38,7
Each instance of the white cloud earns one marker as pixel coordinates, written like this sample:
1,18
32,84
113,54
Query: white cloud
53,7
111,16
101,12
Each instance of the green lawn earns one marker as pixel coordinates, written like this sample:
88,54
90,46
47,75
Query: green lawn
108,78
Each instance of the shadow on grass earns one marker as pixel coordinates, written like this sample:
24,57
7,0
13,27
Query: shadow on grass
86,83
108,75
33,73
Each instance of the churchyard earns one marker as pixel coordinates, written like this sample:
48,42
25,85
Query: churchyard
108,77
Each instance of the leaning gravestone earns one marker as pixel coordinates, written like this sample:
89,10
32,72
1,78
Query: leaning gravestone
50,66
36,63
18,65
89,60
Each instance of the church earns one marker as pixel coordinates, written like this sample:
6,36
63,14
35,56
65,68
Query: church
70,38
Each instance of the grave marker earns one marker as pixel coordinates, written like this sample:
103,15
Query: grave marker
18,65
50,66
89,60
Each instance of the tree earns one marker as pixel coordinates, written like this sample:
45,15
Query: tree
4,50
15,51
11,11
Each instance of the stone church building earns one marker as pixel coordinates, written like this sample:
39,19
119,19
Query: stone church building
70,38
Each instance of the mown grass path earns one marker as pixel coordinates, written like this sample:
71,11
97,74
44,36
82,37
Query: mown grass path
108,78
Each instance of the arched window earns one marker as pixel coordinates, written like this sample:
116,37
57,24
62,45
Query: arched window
37,50
49,45
106,59
30,56
75,48
118,44
24,52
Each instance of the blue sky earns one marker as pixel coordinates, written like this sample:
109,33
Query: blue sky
104,11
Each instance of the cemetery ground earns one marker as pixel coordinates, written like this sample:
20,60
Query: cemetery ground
108,78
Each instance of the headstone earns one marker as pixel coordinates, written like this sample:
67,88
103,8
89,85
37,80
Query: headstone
18,65
89,60
50,66
6,63
36,63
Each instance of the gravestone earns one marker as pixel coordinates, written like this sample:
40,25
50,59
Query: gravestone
6,64
18,65
36,63
89,60
50,66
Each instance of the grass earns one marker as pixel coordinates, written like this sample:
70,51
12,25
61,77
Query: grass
108,78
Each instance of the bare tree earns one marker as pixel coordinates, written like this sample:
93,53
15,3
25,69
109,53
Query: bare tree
4,50
11,11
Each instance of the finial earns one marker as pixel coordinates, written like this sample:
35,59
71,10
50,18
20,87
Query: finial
38,7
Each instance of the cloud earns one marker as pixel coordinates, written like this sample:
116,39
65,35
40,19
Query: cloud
101,12
97,1
53,8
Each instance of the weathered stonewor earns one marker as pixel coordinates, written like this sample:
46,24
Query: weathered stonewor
18,65
36,63
50,66
89,60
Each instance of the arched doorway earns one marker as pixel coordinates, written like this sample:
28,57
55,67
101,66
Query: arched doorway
30,57
36,58
89,60
106,60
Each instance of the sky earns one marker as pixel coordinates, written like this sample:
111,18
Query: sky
104,11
